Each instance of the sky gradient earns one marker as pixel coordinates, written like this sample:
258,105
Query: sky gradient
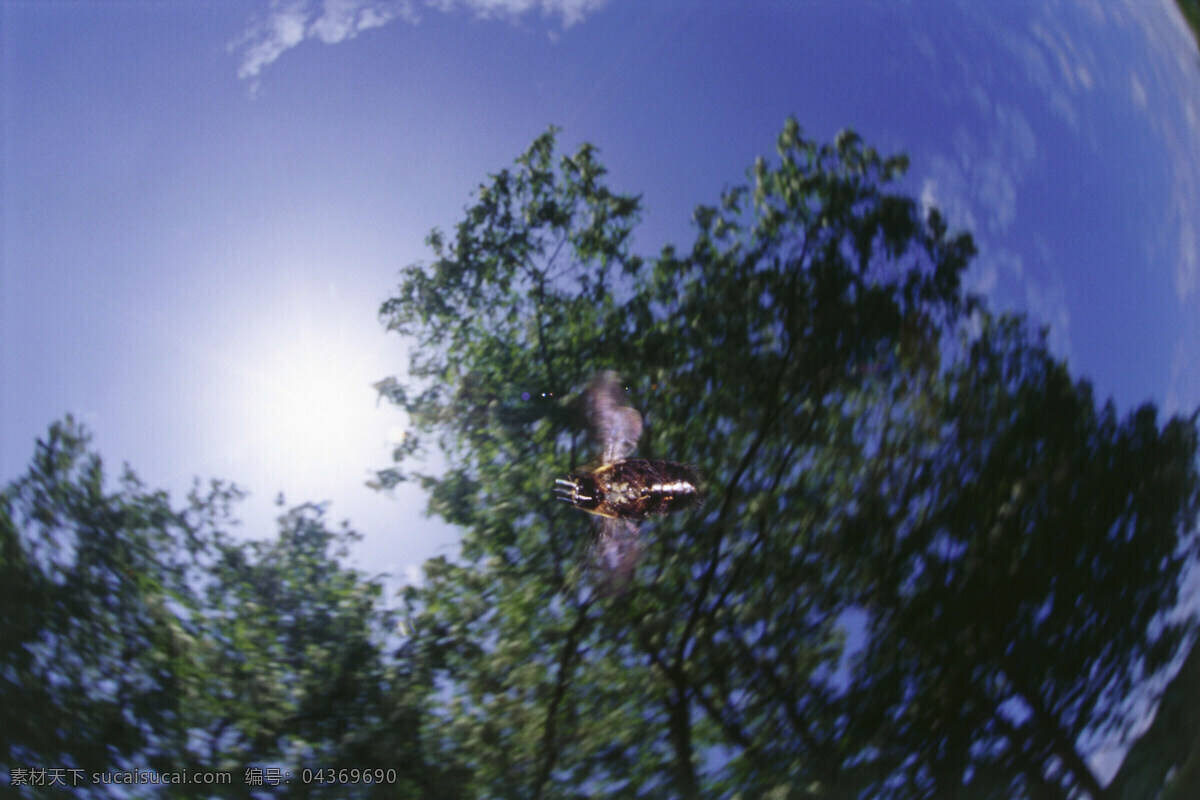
204,204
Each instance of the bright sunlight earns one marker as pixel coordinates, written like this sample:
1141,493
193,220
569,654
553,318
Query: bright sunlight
296,411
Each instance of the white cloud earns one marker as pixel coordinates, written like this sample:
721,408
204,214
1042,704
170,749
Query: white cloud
978,183
1187,271
267,38
1138,91
570,11
287,23
1047,304
345,19
1183,387
1165,90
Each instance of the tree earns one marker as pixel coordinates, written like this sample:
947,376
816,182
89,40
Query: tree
96,609
293,656
746,357
138,636
1023,589
877,446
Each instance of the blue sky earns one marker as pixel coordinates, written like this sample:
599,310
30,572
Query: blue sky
204,204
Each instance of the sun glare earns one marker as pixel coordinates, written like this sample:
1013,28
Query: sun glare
300,415
310,404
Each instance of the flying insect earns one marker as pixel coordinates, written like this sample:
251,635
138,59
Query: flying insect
620,491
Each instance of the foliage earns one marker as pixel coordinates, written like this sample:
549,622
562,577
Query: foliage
1021,600
97,612
136,636
876,446
292,654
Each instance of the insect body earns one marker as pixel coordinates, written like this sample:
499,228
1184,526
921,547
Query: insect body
632,489
622,491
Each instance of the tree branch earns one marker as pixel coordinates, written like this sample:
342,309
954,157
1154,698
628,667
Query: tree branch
565,659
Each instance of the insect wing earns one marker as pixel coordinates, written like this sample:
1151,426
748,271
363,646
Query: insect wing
615,554
615,426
